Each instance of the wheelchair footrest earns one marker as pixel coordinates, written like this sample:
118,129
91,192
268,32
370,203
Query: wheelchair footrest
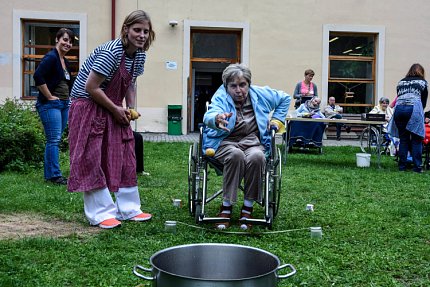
214,219
254,221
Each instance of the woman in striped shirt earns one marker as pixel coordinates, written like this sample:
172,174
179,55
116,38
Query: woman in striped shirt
102,158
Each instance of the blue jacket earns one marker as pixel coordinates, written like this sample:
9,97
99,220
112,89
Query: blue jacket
50,72
264,100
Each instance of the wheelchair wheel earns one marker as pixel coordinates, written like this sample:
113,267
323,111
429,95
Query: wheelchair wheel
278,177
273,179
192,171
369,140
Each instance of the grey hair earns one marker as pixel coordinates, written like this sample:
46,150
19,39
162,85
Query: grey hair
384,100
235,71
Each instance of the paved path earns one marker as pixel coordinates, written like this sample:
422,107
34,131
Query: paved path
194,137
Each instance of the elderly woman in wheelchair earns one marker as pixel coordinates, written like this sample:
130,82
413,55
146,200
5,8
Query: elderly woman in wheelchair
238,139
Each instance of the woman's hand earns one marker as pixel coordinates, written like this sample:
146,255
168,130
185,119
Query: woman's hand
121,115
221,120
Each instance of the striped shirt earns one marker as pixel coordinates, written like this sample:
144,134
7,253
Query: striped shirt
105,60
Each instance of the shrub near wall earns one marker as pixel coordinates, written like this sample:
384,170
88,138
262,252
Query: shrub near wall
21,137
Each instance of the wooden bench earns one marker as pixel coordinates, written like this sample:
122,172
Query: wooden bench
355,129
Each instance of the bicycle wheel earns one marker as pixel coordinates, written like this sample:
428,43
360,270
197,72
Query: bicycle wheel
369,140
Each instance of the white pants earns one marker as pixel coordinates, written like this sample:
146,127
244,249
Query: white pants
99,205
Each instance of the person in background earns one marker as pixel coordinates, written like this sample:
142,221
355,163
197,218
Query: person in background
408,118
305,89
383,108
333,111
53,79
310,109
237,128
102,154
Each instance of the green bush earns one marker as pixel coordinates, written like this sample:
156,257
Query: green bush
22,140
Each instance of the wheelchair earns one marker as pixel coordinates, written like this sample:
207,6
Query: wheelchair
372,141
199,196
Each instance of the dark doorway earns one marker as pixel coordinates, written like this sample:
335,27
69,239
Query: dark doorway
206,84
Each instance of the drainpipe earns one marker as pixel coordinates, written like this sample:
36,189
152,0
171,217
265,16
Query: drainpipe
113,19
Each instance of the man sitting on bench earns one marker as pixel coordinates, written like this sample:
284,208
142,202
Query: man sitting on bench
333,111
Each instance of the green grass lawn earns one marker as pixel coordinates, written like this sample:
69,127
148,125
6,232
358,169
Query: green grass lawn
376,224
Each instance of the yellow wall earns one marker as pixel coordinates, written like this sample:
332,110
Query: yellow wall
285,39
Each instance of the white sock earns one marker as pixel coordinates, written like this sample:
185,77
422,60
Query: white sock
248,203
226,203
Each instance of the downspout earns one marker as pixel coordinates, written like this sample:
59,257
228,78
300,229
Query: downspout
113,19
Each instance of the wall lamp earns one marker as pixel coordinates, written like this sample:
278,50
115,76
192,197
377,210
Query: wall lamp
173,23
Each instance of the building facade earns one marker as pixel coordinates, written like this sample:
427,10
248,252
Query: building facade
359,50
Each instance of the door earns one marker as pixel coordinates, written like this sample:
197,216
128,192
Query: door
211,52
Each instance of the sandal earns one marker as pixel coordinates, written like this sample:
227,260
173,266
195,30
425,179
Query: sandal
224,224
245,215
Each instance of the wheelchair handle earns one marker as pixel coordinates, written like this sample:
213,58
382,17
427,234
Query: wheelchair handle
273,128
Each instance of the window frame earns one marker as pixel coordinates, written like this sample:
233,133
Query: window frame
238,33
37,58
354,58
379,54
18,37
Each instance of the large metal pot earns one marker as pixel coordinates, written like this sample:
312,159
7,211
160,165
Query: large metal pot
214,265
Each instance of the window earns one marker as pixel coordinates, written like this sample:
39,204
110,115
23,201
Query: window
205,45
351,72
39,38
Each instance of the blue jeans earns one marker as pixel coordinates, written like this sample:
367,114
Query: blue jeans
54,115
408,141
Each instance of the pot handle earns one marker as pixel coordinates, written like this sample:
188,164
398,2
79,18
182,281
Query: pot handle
135,268
293,271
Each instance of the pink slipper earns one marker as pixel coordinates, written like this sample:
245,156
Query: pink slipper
109,223
141,217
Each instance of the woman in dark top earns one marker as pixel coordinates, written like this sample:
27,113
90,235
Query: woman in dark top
53,80
408,118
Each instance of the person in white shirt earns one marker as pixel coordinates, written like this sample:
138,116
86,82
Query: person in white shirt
333,111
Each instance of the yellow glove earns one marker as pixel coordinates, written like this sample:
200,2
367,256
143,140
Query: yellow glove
281,126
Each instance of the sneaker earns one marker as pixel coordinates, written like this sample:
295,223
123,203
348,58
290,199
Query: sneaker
141,217
109,223
58,180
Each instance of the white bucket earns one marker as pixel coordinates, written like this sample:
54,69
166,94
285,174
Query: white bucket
363,159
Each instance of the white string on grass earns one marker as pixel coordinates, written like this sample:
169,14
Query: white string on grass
243,233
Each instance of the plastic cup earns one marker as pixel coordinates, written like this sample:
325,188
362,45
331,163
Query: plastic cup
177,203
316,232
310,207
170,226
